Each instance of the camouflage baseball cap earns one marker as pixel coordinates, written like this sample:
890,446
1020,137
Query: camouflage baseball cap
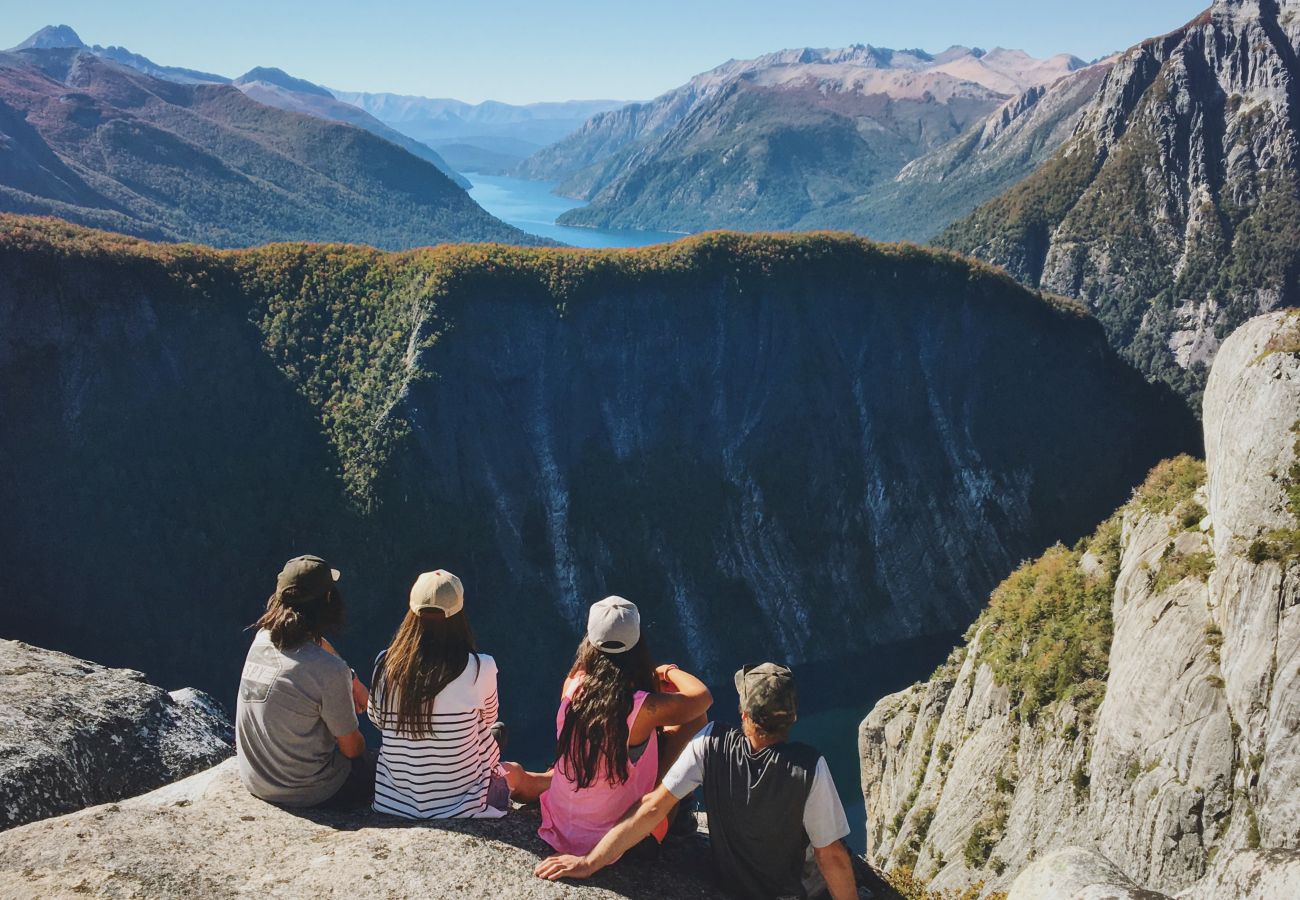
768,694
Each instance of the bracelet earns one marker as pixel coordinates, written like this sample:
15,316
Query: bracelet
669,668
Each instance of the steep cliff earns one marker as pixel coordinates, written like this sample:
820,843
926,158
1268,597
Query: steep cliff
75,734
1135,695
798,448
1172,210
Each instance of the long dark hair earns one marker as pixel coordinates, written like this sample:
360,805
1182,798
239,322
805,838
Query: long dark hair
593,739
291,626
429,651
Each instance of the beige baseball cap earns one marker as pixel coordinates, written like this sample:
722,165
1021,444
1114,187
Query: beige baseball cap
614,625
438,589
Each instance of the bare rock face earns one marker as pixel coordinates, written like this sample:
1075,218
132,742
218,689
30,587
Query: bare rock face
1177,758
206,836
73,734
1076,874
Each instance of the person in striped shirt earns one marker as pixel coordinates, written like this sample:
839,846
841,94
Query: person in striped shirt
434,698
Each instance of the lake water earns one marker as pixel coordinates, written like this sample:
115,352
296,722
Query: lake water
530,206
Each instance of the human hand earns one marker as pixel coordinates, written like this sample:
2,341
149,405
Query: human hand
661,676
554,868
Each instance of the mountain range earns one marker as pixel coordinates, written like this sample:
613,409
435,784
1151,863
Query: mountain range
93,140
490,137
801,136
1173,209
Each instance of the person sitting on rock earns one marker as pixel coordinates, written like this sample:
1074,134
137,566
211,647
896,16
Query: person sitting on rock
296,733
767,800
435,700
621,723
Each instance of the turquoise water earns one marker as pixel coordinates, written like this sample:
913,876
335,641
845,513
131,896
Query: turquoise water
530,206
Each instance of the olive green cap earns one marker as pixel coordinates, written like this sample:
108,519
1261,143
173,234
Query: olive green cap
767,693
305,579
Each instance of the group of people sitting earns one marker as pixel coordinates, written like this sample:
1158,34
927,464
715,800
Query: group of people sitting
633,740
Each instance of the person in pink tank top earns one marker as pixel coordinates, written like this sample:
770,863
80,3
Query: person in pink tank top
620,725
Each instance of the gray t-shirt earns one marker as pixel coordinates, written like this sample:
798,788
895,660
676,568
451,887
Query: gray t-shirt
292,706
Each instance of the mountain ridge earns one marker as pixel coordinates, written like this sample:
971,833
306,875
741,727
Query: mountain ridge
1196,131
105,144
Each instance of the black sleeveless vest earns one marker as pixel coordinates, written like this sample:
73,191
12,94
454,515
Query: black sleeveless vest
755,804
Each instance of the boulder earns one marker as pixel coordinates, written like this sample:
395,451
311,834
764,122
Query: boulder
1076,874
74,734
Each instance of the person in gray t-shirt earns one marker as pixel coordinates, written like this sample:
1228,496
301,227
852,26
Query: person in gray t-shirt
296,734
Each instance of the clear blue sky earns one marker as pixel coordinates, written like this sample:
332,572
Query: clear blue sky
563,49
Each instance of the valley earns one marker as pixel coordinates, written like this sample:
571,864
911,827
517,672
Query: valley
964,381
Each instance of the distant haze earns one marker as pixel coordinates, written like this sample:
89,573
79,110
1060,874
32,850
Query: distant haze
523,52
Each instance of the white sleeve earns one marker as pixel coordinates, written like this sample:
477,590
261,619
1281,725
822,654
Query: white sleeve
823,814
687,773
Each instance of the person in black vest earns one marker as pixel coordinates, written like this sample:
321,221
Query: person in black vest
767,800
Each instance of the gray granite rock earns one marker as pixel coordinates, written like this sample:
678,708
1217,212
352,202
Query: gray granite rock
1191,762
73,734
206,836
1076,874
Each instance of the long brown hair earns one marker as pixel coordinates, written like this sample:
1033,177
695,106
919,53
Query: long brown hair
593,739
293,625
429,651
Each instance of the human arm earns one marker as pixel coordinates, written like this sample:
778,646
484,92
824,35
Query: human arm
826,825
837,869
352,745
617,841
525,786
360,696
683,697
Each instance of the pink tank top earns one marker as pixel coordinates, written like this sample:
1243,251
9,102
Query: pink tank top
574,820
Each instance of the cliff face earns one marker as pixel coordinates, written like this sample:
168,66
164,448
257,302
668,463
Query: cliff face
1136,695
1170,210
75,734
795,448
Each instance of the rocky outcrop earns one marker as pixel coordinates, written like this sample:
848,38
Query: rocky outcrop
74,734
794,448
1079,874
1135,696
1170,210
206,836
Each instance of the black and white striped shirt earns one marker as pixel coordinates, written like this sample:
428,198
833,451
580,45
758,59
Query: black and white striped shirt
444,775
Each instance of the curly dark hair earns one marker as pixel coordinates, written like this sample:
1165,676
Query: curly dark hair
593,739
301,623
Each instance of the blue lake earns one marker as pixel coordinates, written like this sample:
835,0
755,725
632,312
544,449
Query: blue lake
530,206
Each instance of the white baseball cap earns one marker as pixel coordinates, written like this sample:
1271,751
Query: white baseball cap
614,625
438,589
